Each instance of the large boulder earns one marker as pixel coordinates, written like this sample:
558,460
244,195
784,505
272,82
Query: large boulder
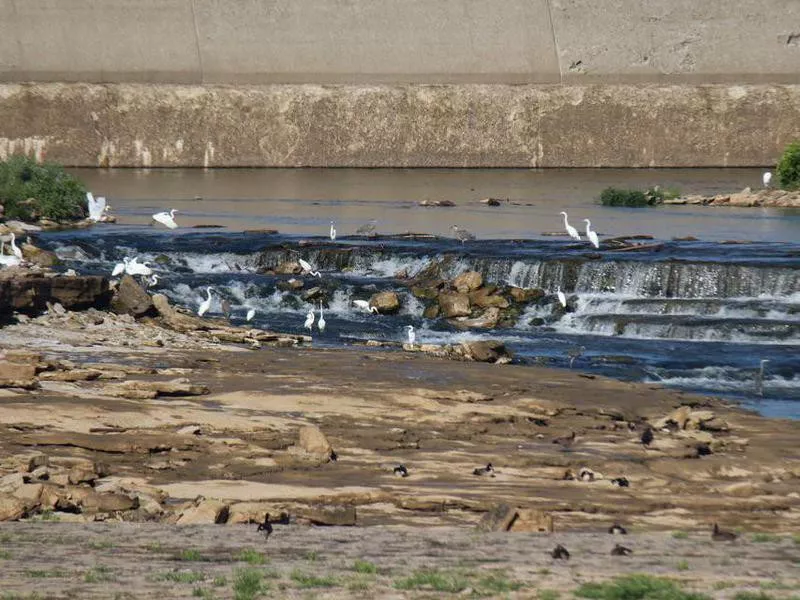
131,299
486,351
205,512
487,320
37,256
340,515
454,305
312,440
11,508
468,282
18,375
485,298
30,292
386,302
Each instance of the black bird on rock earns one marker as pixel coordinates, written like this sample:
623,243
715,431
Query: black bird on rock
720,535
487,471
621,551
400,471
560,553
621,482
617,529
647,436
266,526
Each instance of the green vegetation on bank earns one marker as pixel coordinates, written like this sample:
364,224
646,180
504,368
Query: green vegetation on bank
637,587
612,196
30,191
788,170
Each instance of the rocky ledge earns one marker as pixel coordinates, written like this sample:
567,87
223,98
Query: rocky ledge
747,197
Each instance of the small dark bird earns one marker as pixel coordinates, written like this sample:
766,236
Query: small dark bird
586,475
617,529
621,551
621,482
400,471
266,527
647,436
720,535
334,457
487,471
226,309
566,441
559,552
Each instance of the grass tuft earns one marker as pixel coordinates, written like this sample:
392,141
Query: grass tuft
251,557
680,535
364,566
191,555
637,587
433,579
247,584
547,595
307,580
99,574
761,538
683,565
182,576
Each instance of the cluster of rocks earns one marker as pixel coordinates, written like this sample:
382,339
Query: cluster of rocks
747,197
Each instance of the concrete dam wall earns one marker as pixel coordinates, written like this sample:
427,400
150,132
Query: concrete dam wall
467,83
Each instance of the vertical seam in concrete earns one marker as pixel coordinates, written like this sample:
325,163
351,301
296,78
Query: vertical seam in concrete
197,43
555,40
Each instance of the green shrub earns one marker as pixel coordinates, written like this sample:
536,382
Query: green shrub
612,196
637,587
788,170
30,191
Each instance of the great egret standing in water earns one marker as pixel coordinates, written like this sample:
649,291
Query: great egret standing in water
250,314
573,233
96,206
562,298
575,353
307,269
321,322
766,178
17,252
205,305
462,234
120,268
412,337
134,267
167,218
309,324
152,281
365,306
592,235
760,377
333,231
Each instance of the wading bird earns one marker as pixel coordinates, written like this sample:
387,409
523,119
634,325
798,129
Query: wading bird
462,235
760,377
134,267
562,298
592,235
205,305
121,267
226,308
14,248
321,322
575,353
96,206
152,281
167,218
573,233
308,269
333,231
412,337
766,178
250,314
364,305
309,323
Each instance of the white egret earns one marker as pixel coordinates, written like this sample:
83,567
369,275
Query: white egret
135,268
592,235
152,281
760,377
97,207
309,324
307,269
321,322
17,252
333,231
9,261
561,297
573,233
365,306
206,304
766,178
120,268
167,218
412,337
250,314
462,234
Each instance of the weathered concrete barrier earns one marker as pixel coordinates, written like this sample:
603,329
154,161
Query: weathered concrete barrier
134,125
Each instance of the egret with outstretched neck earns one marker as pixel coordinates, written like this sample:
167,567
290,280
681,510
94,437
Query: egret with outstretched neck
205,305
321,322
760,377
307,269
592,235
17,252
562,298
152,281
333,231
412,337
167,218
573,233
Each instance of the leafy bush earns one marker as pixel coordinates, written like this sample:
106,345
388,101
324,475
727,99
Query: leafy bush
789,167
637,587
30,191
612,196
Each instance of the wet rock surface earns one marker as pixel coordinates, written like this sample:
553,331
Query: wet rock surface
747,197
